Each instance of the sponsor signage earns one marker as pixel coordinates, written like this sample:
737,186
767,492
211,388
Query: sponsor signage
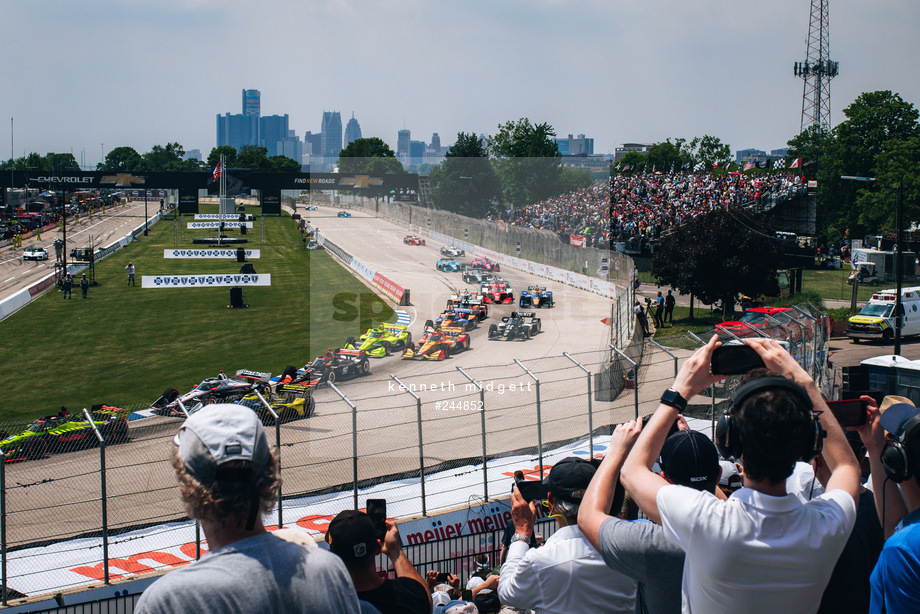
221,216
215,225
577,240
205,281
388,286
209,253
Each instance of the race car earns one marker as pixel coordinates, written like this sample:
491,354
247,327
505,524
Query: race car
485,264
310,207
515,326
66,432
438,344
220,389
450,266
333,366
344,214
454,317
536,296
497,292
414,240
473,302
382,340
35,253
288,401
452,252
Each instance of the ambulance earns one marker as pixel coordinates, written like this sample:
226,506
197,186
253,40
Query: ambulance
876,319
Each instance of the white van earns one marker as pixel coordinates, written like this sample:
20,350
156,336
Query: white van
876,319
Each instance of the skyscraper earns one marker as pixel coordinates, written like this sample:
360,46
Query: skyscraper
272,130
402,144
252,103
238,131
436,144
331,130
352,130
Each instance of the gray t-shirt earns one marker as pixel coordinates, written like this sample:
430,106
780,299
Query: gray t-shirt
262,573
642,551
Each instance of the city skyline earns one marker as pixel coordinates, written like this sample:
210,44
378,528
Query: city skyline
104,74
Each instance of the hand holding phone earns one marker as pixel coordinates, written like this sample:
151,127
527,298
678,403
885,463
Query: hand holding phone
849,412
377,510
735,359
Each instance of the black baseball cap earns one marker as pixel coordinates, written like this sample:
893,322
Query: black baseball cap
352,535
689,458
569,478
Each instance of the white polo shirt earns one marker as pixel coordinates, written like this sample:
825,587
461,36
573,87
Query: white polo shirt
754,552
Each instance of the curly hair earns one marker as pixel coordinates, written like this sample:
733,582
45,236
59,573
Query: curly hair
226,503
775,428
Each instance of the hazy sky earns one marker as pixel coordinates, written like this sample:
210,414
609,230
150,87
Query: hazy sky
92,75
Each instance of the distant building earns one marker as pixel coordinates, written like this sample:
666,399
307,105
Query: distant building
352,130
273,129
416,152
252,103
237,131
331,131
402,145
312,143
193,154
291,147
619,152
779,153
435,144
576,146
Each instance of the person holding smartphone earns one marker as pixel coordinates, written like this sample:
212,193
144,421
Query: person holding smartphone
762,549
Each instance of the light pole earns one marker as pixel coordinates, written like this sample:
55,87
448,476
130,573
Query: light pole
898,265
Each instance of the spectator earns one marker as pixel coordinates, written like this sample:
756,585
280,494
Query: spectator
130,269
84,284
659,311
353,537
482,585
642,550
68,286
895,462
566,574
643,319
762,549
669,303
227,475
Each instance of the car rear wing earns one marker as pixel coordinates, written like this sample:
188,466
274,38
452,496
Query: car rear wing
298,390
395,328
453,330
254,375
527,314
350,352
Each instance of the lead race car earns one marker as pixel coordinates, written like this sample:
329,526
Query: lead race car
220,389
66,432
452,252
382,340
515,326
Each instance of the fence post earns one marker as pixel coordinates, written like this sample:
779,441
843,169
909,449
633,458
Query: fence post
482,416
278,447
635,379
539,417
105,518
590,409
3,521
666,351
354,440
421,445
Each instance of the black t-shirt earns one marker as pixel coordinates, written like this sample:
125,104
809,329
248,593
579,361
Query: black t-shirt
398,596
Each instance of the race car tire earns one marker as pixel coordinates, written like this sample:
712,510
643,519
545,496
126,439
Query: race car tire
386,348
429,323
537,327
120,432
311,408
170,394
330,377
289,371
408,340
525,334
493,331
37,448
212,400
446,352
365,367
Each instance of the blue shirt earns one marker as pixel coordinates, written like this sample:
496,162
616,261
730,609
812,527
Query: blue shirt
896,579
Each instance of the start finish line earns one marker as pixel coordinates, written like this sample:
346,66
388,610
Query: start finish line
204,281
210,253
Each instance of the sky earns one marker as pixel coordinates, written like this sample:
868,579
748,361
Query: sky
85,77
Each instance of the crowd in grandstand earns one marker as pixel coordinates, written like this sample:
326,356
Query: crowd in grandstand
644,205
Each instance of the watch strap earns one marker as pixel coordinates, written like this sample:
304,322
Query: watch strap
672,397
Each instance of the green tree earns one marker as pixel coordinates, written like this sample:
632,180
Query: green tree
466,182
527,162
227,151
283,164
709,150
121,159
633,161
667,155
168,158
253,157
716,256
356,155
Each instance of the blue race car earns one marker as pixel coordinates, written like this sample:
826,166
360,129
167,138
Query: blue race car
536,296
344,214
451,266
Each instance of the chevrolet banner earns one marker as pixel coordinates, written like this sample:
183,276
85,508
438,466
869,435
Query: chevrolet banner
204,281
209,253
216,225
223,216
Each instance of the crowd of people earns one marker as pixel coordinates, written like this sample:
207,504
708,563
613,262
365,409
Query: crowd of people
783,511
644,205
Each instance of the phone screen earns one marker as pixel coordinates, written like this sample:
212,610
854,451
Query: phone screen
533,490
377,510
735,359
849,412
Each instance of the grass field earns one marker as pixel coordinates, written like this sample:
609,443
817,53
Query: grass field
125,345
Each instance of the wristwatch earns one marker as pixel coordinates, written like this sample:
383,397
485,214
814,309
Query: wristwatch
520,538
672,397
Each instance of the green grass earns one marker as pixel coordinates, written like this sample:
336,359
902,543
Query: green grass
675,334
832,284
125,345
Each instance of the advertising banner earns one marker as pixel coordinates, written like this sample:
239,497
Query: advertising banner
204,281
388,286
218,216
209,253
216,225
577,240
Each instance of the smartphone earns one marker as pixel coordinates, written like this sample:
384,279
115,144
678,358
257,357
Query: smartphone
735,359
377,510
443,576
467,595
532,491
849,412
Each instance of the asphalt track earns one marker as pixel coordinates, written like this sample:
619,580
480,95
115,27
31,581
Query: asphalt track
317,453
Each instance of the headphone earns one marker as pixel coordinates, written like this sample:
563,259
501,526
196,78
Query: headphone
728,434
896,455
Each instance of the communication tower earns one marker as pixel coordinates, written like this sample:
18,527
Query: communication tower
817,70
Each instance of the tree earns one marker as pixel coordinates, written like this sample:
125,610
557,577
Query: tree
354,158
633,161
161,158
716,256
283,164
253,157
527,161
466,182
121,159
229,153
709,150
667,155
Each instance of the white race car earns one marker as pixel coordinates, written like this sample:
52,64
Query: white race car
35,253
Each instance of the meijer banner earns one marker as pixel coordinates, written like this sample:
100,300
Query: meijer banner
209,253
204,281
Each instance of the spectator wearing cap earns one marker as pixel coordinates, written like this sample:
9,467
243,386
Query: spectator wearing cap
566,574
642,550
894,461
227,475
730,479
353,536
761,549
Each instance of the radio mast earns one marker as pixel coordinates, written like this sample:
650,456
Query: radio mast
817,70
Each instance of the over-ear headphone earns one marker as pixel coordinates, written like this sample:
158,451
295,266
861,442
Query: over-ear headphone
728,435
896,455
